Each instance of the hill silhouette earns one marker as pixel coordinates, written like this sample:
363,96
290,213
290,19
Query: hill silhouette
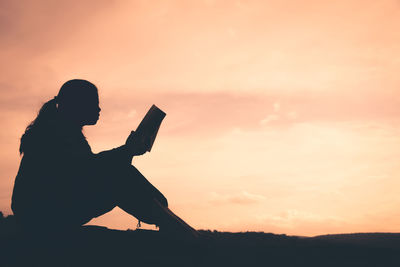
100,246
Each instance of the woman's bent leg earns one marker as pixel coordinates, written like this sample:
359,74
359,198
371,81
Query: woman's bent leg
136,195
99,198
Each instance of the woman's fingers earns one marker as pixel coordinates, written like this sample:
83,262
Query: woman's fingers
136,144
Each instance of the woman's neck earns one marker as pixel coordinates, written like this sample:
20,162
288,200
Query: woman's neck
69,121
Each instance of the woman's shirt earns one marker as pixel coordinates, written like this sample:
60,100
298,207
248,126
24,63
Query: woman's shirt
58,175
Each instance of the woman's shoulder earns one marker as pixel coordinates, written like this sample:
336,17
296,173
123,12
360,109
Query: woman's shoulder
69,137
56,137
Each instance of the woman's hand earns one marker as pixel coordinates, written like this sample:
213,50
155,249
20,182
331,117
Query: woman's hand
135,145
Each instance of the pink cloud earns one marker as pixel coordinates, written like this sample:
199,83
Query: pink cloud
242,198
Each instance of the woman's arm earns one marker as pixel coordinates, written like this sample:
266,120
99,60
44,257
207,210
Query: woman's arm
117,155
125,153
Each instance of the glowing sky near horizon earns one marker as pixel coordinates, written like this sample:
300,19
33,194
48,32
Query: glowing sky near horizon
282,116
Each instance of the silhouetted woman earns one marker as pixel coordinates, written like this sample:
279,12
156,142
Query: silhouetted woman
61,183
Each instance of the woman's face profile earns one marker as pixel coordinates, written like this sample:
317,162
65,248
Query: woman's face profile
82,110
91,110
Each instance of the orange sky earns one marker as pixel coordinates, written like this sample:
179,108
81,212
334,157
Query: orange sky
282,116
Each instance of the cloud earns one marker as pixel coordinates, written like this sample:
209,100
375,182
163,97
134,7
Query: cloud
277,106
269,118
232,32
132,113
292,115
292,220
242,198
23,22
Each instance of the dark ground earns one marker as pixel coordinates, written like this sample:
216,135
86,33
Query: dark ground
99,246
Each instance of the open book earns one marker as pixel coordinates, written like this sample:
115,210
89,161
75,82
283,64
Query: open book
148,127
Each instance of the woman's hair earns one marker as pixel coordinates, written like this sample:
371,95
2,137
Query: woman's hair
47,113
70,93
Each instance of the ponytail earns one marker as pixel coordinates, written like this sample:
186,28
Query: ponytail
47,113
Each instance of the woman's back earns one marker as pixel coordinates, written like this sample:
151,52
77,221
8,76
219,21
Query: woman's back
53,176
51,173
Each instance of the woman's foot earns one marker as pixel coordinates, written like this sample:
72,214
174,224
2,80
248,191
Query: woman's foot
172,225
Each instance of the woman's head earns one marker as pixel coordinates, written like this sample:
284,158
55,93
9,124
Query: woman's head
78,100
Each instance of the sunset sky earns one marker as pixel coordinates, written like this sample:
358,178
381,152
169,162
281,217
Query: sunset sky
282,116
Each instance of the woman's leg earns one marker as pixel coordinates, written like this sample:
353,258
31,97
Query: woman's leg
123,186
138,197
98,197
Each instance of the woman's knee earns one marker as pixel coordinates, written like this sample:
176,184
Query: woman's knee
101,207
136,187
161,199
